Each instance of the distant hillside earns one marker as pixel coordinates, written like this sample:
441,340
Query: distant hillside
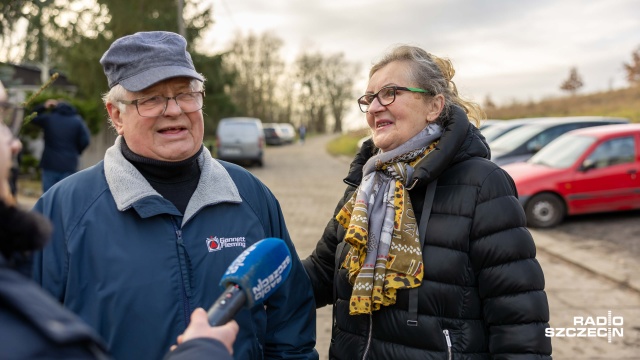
620,103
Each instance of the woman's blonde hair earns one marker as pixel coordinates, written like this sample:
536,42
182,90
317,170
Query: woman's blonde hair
432,73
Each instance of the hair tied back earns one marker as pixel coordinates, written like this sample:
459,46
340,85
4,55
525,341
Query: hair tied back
448,72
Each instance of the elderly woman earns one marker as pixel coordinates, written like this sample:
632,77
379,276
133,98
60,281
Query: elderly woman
428,256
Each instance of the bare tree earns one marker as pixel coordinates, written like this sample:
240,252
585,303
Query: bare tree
488,103
256,63
633,68
317,88
339,82
573,83
325,89
310,76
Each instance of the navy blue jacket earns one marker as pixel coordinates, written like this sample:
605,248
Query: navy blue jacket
134,268
65,137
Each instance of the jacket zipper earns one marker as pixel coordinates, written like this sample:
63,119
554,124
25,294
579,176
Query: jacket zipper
448,338
366,350
181,258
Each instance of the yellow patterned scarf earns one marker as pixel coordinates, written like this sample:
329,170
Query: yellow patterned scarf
385,253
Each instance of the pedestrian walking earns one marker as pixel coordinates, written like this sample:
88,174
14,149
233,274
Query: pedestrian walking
428,255
302,133
142,238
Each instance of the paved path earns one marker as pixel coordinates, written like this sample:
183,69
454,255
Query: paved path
584,281
584,278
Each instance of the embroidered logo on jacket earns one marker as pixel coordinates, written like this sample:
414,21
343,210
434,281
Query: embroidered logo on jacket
215,243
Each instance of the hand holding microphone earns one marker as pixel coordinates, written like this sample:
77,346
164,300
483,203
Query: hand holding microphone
199,328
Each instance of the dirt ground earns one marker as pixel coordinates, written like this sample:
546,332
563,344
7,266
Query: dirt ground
619,231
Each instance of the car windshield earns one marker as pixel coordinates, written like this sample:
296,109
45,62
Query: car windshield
516,137
562,152
237,129
495,131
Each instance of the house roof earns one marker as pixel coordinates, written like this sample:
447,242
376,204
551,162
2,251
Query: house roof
29,76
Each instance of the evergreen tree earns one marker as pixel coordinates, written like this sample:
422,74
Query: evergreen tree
72,37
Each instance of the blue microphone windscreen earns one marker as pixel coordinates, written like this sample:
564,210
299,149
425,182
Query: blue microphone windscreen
260,269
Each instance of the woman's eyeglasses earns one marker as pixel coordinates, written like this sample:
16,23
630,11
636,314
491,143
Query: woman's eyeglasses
386,96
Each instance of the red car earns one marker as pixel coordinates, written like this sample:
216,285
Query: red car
589,170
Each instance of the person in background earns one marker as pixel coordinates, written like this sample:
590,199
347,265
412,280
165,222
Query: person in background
66,136
428,255
32,323
302,133
142,238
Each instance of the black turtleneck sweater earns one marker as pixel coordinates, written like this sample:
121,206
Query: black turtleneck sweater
175,181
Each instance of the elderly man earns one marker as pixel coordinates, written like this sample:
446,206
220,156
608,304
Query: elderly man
32,323
143,237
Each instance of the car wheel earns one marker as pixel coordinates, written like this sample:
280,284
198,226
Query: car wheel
260,163
544,210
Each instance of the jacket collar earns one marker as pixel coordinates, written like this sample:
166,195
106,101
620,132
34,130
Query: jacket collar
129,187
460,141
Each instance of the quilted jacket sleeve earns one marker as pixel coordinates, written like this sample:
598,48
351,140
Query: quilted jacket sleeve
511,282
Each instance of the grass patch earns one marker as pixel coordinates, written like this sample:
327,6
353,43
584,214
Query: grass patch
346,144
619,103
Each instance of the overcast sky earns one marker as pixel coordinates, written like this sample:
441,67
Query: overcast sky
507,49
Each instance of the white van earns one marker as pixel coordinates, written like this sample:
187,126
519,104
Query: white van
240,139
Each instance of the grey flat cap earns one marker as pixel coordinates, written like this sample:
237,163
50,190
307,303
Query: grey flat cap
140,60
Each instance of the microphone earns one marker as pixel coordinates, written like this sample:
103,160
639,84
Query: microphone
251,278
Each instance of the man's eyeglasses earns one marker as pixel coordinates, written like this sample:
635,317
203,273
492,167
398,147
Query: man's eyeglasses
153,106
386,96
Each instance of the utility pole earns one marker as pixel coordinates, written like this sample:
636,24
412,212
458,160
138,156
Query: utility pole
180,18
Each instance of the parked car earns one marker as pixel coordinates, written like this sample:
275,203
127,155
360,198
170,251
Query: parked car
521,143
240,139
273,134
496,130
589,170
288,132
279,133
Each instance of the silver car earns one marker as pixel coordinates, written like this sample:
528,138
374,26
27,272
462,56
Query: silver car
240,139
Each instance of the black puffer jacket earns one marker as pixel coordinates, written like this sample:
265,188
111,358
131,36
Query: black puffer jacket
482,285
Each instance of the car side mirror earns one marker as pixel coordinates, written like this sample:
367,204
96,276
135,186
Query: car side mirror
587,165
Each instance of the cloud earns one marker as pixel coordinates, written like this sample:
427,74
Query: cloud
508,49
